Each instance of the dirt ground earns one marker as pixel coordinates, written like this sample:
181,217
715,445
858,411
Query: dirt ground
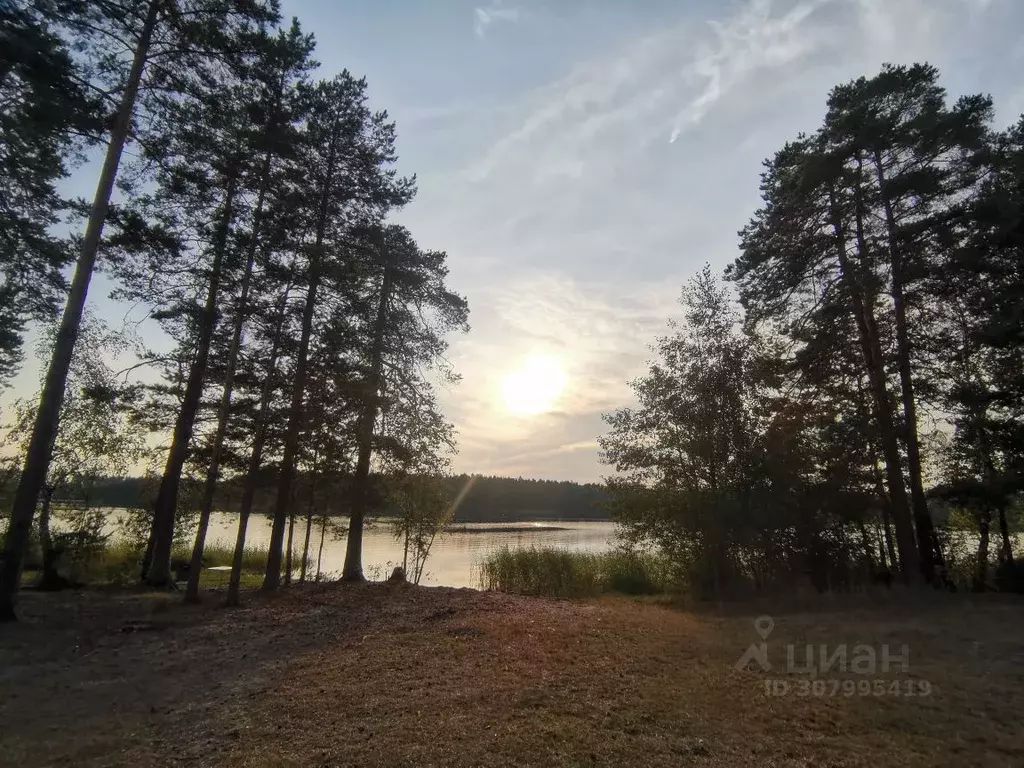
406,676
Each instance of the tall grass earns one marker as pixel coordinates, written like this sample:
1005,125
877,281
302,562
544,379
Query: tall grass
254,557
560,573
118,561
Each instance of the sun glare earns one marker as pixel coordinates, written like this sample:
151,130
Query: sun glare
534,387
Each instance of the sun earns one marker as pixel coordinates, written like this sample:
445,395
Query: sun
534,387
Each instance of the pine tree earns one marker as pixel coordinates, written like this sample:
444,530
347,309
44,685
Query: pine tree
348,151
400,341
982,287
801,253
283,66
203,168
153,48
37,456
916,165
45,117
266,356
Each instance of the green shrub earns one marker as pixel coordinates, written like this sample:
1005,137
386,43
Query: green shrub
119,563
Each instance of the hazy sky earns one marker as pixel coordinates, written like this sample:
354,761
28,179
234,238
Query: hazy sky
580,160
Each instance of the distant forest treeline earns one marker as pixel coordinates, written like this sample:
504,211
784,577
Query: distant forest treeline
487,499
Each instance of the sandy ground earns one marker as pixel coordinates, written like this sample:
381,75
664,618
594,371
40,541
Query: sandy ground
404,676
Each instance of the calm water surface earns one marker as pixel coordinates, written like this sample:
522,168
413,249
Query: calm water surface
454,558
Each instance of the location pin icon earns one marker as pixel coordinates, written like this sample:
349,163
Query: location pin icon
764,625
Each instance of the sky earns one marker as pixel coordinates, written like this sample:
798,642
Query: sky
579,161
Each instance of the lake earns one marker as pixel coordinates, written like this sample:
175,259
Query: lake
454,557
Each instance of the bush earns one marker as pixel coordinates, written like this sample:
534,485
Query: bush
120,563
1010,578
631,573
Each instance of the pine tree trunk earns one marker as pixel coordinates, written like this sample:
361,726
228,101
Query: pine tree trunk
1006,555
223,413
320,552
885,563
930,553
353,570
883,500
872,353
288,550
159,573
44,430
865,539
256,453
311,504
272,577
50,579
981,575
305,546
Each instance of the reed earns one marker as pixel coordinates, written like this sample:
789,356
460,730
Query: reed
552,572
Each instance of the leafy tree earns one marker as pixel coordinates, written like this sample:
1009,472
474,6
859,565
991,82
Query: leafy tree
424,509
682,455
738,471
97,438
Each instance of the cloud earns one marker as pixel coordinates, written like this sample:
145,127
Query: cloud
493,14
655,86
598,333
586,202
558,450
752,40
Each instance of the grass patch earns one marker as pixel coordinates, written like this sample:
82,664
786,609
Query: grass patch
118,563
552,572
254,557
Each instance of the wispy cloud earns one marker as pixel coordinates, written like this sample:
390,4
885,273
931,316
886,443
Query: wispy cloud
492,14
655,86
590,199
751,40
